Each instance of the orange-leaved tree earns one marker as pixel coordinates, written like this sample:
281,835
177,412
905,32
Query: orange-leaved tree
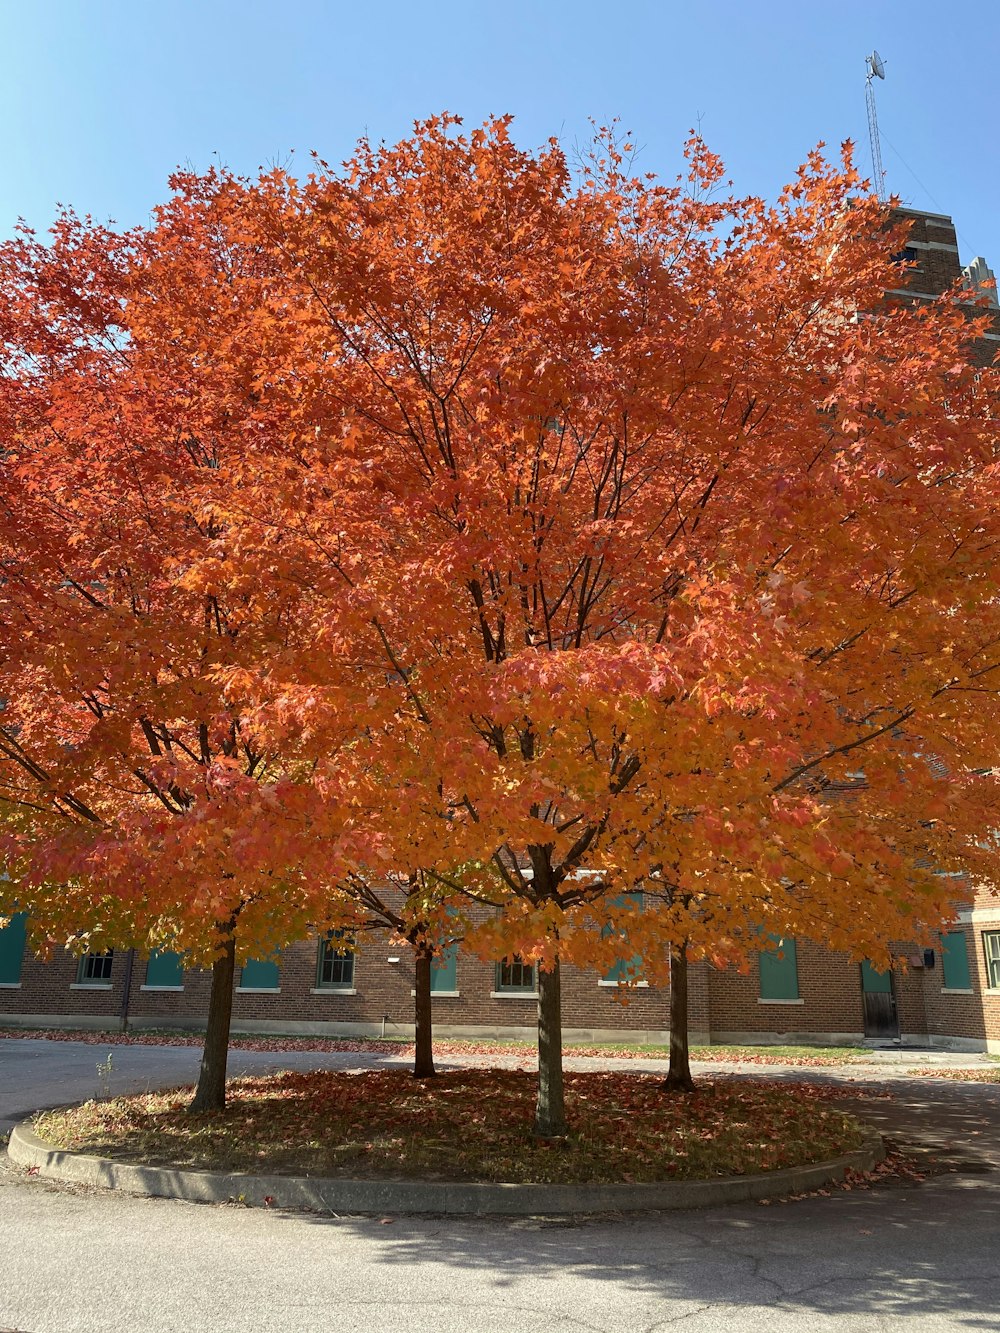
662,525
151,806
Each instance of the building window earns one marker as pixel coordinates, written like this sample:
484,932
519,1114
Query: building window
12,939
164,971
779,969
335,969
955,961
991,948
260,974
624,969
95,968
516,977
444,971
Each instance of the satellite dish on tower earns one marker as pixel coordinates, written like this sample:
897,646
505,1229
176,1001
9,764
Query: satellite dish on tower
876,70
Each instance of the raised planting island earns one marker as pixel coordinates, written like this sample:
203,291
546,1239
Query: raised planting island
379,1140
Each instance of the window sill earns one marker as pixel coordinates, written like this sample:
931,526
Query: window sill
331,990
513,995
957,990
10,985
256,990
636,985
761,1001
441,994
166,988
90,985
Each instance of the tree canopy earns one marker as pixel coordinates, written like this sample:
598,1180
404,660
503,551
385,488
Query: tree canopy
459,509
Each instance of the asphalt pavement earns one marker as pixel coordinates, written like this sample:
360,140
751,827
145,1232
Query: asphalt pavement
908,1254
36,1073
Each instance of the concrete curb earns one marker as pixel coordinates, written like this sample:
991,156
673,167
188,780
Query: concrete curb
328,1195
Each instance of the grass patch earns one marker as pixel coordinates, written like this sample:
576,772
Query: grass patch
466,1125
195,1037
962,1075
807,1056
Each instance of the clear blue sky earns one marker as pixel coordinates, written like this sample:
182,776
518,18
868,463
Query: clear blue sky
100,99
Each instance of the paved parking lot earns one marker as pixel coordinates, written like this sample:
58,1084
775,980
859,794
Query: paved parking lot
862,1262
36,1072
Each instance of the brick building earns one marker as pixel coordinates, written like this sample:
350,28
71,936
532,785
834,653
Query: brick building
947,996
932,250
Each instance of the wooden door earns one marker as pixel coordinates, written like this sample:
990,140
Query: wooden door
881,1019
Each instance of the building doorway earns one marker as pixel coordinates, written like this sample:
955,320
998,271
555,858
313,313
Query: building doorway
879,998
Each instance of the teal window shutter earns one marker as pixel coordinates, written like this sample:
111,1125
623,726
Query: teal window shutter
955,961
444,970
165,968
12,939
624,969
260,974
779,970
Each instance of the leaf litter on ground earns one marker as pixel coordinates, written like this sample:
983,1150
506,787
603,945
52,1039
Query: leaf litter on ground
469,1124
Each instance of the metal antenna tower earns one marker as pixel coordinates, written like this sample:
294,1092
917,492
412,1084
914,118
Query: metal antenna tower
876,70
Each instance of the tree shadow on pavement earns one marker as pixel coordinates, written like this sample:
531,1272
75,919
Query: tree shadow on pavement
920,1253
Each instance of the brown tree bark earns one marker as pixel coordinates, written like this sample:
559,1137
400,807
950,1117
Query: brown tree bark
679,1071
423,1054
210,1094
127,990
550,1108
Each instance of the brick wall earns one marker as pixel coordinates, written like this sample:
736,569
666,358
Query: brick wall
830,1001
381,990
934,246
722,1005
384,991
51,988
829,991
932,238
969,1019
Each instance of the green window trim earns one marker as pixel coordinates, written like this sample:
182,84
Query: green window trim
955,971
12,941
260,974
94,968
779,969
991,953
164,970
444,970
516,977
335,963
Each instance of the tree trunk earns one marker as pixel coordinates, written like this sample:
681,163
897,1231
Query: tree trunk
679,1072
550,1110
127,989
210,1094
423,1054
